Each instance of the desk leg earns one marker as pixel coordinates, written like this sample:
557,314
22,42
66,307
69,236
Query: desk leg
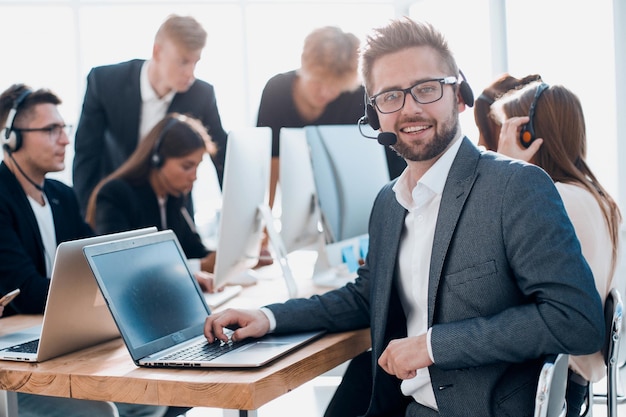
8,404
238,413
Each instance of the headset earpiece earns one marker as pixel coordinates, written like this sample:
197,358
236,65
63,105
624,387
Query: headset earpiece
527,134
372,116
466,91
155,159
12,139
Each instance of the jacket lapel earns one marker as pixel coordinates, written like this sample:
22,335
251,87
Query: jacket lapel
390,232
460,180
23,206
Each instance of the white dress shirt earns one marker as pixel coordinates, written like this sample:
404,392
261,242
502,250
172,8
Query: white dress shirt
422,202
153,107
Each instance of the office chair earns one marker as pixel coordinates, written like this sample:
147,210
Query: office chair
613,312
550,399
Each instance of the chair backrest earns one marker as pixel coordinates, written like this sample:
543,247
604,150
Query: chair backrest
613,310
550,399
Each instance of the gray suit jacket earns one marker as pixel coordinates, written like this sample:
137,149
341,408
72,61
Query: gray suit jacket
508,284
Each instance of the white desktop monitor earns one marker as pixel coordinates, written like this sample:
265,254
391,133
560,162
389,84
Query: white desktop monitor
349,170
244,191
299,209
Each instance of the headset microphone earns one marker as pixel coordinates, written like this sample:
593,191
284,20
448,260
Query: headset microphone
384,138
19,168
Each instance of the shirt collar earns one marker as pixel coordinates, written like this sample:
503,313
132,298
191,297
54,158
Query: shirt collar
147,92
434,179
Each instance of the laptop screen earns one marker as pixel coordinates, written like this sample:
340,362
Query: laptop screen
152,295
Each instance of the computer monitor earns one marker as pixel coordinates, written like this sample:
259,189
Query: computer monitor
299,209
245,211
349,170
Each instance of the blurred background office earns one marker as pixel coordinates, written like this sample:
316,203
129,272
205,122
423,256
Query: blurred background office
580,43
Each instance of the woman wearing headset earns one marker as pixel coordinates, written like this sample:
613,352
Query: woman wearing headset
545,125
151,188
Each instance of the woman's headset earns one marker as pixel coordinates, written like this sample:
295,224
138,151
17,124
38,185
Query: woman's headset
156,159
527,134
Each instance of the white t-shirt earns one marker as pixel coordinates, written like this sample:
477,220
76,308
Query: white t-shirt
43,214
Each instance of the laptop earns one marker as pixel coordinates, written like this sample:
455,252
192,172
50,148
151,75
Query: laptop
160,309
75,316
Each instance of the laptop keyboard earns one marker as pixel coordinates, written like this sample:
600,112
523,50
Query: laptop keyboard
28,347
204,351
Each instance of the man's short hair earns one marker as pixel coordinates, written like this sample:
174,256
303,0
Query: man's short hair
401,34
184,31
8,97
332,51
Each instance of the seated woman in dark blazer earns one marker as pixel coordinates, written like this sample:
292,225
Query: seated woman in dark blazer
152,187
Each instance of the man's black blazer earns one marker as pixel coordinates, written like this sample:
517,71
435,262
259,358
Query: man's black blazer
22,254
108,129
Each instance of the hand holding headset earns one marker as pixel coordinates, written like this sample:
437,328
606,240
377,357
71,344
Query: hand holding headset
527,134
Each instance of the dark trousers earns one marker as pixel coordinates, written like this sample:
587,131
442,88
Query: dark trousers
577,390
352,397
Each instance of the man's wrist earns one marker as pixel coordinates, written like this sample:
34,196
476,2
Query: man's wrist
270,317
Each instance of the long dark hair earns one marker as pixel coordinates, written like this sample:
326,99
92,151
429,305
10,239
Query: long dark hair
488,129
560,122
174,136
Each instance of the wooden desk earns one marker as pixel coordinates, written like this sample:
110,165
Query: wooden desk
107,373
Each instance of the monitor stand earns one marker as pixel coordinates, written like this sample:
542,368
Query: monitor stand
337,263
279,248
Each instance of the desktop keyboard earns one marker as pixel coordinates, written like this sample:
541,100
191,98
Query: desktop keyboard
216,299
28,347
203,351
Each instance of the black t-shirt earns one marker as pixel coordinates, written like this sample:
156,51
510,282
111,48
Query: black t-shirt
278,109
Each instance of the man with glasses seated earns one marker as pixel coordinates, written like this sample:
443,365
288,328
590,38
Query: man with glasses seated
36,214
473,273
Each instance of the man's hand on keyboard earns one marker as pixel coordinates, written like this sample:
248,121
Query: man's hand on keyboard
248,323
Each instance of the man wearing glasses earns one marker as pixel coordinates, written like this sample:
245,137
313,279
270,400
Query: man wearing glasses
473,273
36,214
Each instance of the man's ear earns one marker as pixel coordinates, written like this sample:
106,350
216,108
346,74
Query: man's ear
156,51
461,106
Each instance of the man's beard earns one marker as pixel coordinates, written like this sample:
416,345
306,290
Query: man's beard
435,147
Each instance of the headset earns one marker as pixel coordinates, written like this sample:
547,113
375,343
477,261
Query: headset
371,116
527,134
12,138
156,160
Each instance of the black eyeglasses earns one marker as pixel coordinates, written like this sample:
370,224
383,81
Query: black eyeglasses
424,92
54,131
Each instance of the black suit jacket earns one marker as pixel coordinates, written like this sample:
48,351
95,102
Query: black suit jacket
22,254
122,206
108,128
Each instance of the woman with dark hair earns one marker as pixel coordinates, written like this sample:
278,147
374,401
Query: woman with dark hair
489,129
553,119
152,187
